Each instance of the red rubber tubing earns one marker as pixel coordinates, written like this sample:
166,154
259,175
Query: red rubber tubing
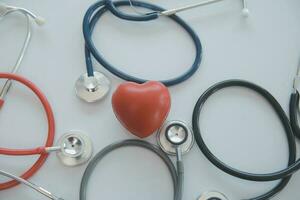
40,150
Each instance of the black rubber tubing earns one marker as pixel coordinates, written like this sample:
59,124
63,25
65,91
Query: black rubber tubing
294,103
284,174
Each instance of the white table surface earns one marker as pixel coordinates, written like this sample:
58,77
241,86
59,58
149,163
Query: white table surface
238,125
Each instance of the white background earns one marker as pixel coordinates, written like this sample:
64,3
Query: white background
238,125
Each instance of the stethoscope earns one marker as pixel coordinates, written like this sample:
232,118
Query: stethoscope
72,149
94,85
174,138
291,127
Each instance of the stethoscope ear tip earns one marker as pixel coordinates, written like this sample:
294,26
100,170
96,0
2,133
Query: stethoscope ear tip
246,12
40,21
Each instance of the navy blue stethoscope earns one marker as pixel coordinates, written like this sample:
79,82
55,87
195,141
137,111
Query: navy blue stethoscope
93,85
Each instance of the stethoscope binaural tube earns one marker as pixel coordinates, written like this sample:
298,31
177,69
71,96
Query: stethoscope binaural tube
39,189
4,11
156,14
284,174
49,142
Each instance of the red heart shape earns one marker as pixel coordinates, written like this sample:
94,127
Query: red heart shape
141,108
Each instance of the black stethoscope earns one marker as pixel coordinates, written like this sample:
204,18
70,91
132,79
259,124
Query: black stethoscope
93,85
291,127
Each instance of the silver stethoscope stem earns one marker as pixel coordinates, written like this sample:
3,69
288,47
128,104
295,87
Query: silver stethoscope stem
245,4
53,149
183,8
31,185
178,153
74,148
172,138
7,84
6,11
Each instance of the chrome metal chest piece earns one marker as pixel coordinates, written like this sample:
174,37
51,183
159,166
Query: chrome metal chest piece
75,148
174,133
92,88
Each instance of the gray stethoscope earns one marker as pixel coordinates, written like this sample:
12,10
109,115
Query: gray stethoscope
174,138
93,85
73,148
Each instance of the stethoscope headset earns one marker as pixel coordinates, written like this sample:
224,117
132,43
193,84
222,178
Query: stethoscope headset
94,85
74,148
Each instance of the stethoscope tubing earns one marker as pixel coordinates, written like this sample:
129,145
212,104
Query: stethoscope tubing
98,9
284,174
294,109
177,178
40,150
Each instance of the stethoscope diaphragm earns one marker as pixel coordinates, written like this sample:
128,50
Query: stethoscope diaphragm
75,148
92,88
174,133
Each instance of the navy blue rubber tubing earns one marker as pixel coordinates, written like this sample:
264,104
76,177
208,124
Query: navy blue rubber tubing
94,13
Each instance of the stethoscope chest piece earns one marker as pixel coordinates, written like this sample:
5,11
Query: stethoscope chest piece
213,195
75,148
92,88
175,133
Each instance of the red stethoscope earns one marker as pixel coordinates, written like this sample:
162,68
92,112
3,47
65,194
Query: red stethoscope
5,10
74,147
40,150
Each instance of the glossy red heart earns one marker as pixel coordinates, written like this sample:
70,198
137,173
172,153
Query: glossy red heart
141,108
